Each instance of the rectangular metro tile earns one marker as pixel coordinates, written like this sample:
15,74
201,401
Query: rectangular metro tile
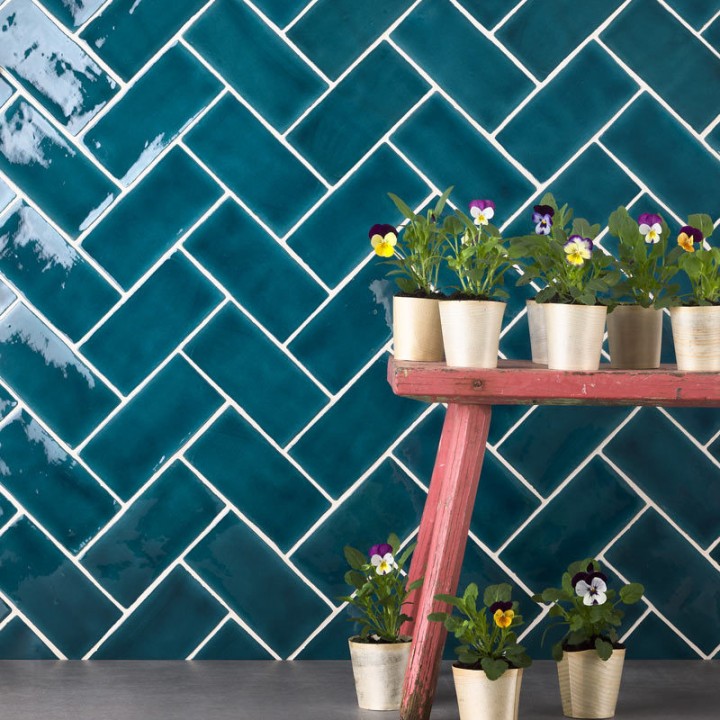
73,13
59,600
7,297
463,61
54,174
574,106
173,92
256,374
19,642
55,70
153,426
153,532
126,34
488,12
696,12
263,68
7,403
6,91
125,354
7,510
358,112
232,642
676,64
654,640
51,485
268,269
6,195
712,35
281,12
250,473
53,275
254,164
147,222
50,378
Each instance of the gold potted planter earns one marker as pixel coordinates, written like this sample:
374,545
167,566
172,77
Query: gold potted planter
634,337
417,333
471,332
696,336
574,336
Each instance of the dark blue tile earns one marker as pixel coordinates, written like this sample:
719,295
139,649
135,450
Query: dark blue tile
49,377
7,403
332,33
368,405
270,387
358,112
19,642
254,164
127,33
268,270
59,178
462,60
51,592
153,426
678,581
701,423
250,473
52,274
125,355
654,640
7,510
177,616
53,487
446,148
347,332
578,523
231,642
152,113
685,178
56,70
231,554
712,35
281,12
152,533
332,641
73,12
488,12
554,440
684,71
263,68
696,12
574,106
146,223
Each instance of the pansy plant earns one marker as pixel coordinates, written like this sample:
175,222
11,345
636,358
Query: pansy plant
589,608
701,264
487,634
380,590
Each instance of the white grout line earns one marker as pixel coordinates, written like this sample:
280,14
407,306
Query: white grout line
300,15
689,27
16,612
225,621
707,25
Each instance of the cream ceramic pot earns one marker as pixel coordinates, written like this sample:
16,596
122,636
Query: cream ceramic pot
696,335
574,336
482,699
416,329
379,671
538,335
471,332
635,337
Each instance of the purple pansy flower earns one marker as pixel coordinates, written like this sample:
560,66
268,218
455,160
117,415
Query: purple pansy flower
482,211
542,217
650,227
500,606
381,549
591,586
694,233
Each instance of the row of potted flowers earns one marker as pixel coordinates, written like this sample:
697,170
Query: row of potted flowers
581,287
488,671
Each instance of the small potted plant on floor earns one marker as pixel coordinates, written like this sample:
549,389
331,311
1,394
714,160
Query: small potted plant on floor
488,673
471,318
415,255
589,657
379,654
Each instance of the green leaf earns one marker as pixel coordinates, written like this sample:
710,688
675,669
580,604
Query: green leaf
557,652
394,542
440,205
702,222
355,558
355,578
604,648
438,617
415,584
493,668
497,593
402,207
632,593
523,660
451,600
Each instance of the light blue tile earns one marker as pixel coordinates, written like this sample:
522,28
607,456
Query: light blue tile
7,403
7,296
6,194
5,91
73,12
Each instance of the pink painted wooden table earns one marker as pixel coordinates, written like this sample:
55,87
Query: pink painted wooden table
470,395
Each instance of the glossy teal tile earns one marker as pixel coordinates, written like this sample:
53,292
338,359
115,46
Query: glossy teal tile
463,60
701,423
170,624
5,91
6,194
256,374
230,239
126,356
60,179
574,106
263,68
678,581
365,191
229,555
73,12
51,592
332,642
359,110
580,522
152,113
370,415
696,12
4,609
127,34
254,164
146,223
712,35
635,138
7,403
52,274
684,71
48,376
250,473
447,149
53,487
316,33
152,533
281,12
231,642
56,70
153,426
488,12
554,440
542,33
654,454
7,510
19,642
7,297
654,640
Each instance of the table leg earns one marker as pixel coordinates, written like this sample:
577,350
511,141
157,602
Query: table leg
441,546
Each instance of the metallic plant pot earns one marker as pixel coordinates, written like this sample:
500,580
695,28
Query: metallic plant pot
379,671
416,329
635,337
471,332
538,334
574,336
482,699
696,334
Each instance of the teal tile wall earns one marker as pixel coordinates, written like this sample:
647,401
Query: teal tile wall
194,415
